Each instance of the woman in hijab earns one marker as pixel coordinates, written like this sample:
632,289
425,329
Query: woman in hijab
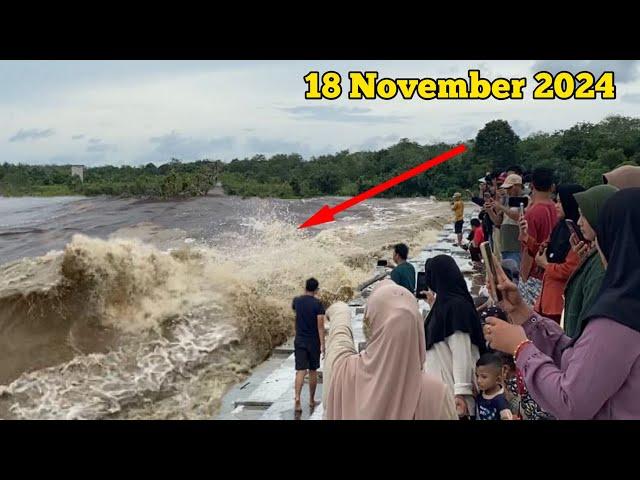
627,176
385,381
583,286
453,332
596,375
558,259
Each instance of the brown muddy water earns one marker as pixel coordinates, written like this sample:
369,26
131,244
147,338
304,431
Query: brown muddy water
113,308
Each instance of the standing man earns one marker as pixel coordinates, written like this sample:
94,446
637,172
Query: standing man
484,202
515,169
508,217
535,228
487,222
309,340
458,209
403,274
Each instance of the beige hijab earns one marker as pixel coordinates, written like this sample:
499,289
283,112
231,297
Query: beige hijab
626,176
385,381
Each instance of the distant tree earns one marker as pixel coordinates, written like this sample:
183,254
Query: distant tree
611,157
295,186
151,168
591,174
497,142
328,182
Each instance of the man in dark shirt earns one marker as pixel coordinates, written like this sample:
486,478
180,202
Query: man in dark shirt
403,274
309,341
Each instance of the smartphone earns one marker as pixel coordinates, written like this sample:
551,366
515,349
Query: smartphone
487,257
382,263
421,285
517,201
493,312
573,228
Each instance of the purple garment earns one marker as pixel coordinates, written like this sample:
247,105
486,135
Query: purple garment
597,378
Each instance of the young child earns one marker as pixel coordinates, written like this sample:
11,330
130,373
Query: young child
474,245
491,403
510,384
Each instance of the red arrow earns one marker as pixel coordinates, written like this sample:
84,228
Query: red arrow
326,213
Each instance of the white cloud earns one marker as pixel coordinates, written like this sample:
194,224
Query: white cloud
341,114
625,70
136,112
31,134
101,147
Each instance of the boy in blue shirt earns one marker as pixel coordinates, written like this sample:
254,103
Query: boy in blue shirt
491,403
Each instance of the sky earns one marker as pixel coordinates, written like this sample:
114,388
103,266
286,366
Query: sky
136,112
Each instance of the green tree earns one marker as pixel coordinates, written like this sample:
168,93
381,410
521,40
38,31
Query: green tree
610,158
497,142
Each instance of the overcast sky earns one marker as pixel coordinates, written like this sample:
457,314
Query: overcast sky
133,112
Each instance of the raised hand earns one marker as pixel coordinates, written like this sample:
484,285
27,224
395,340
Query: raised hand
524,230
503,336
541,257
580,248
430,297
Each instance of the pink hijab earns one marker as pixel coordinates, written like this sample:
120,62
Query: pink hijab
626,176
386,381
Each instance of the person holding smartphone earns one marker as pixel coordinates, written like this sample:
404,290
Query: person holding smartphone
582,287
387,380
596,374
556,257
535,227
508,214
453,332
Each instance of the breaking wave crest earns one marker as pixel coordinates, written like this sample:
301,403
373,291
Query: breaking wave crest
107,325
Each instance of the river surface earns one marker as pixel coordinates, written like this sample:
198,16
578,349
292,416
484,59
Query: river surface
121,308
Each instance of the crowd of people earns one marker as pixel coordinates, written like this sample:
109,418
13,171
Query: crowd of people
557,335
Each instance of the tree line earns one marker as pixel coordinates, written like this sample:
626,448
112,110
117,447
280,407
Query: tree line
579,154
171,180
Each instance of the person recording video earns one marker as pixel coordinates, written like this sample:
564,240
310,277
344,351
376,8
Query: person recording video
507,209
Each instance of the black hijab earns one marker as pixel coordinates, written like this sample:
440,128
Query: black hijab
618,234
453,310
559,244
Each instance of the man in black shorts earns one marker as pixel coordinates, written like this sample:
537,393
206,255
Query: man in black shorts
309,341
